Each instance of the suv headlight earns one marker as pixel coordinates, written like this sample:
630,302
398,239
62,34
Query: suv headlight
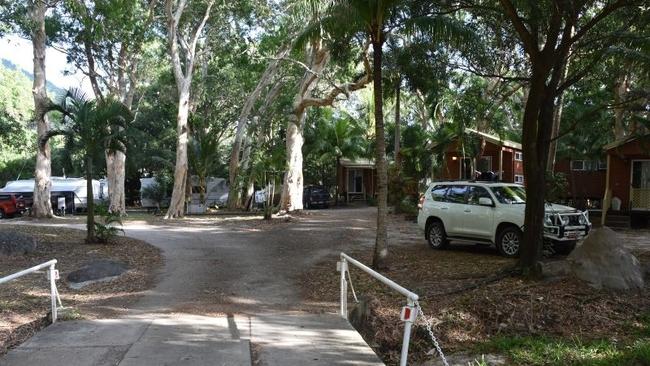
582,219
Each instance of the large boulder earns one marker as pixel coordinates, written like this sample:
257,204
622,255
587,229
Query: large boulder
604,262
13,243
96,271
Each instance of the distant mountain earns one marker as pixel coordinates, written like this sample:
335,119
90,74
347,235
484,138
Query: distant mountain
52,89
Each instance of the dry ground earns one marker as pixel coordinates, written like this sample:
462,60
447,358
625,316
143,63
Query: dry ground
470,303
25,302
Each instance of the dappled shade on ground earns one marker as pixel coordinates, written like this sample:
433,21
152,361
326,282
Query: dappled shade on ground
26,301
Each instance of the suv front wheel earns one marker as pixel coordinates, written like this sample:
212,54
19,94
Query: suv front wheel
436,235
509,241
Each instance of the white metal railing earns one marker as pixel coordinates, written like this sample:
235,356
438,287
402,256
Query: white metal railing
52,275
409,312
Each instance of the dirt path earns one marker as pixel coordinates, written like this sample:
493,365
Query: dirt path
246,266
228,293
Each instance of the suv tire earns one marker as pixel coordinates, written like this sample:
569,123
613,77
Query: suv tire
2,214
436,235
509,241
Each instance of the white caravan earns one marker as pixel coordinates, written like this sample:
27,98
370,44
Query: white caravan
73,190
216,192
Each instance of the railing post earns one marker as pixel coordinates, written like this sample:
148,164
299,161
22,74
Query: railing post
407,334
52,276
344,289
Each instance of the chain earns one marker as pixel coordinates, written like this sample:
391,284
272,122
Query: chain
354,294
428,325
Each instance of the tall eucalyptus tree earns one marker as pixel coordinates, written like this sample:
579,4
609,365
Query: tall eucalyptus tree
183,38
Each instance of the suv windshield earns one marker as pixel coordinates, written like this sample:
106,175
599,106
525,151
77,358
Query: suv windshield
510,194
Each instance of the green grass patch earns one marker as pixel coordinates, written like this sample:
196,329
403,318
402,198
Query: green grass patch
547,351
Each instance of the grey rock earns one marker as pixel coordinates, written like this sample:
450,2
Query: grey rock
604,262
97,270
13,243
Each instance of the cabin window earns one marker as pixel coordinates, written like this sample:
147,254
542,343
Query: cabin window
577,165
519,179
519,156
589,165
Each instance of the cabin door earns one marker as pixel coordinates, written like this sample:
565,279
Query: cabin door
640,185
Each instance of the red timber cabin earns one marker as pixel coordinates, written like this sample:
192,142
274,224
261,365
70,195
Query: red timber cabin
357,179
627,183
586,181
501,157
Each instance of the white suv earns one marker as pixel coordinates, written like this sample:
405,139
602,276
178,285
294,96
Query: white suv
493,213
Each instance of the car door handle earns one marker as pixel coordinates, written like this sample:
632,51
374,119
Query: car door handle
444,208
467,210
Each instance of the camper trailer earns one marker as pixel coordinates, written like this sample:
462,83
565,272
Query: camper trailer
68,195
216,192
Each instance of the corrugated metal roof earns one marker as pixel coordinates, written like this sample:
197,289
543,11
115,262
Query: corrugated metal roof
358,163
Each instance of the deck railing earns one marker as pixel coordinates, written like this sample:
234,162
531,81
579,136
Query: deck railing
640,198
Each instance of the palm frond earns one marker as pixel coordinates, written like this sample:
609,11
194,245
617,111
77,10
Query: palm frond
443,29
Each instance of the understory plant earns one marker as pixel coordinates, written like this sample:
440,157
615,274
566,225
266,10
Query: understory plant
110,226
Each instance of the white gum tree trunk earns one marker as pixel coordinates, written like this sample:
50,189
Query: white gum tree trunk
293,179
183,74
177,204
317,61
42,206
234,198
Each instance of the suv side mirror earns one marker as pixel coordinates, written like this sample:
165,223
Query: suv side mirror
485,201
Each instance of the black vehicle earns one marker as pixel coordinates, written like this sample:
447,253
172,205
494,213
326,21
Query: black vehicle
315,196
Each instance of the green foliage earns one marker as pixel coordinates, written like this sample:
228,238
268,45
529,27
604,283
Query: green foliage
110,226
556,186
90,128
331,136
160,190
16,131
533,351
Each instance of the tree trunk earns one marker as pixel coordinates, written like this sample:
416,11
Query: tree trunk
183,76
90,202
338,180
233,167
42,206
557,119
537,126
293,180
177,204
115,176
398,136
380,256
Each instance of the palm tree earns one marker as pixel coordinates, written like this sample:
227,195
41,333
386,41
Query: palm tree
376,19
203,148
341,138
90,127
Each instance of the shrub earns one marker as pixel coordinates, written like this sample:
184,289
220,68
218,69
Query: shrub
108,229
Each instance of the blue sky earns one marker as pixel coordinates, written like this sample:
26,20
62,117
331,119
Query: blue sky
19,51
